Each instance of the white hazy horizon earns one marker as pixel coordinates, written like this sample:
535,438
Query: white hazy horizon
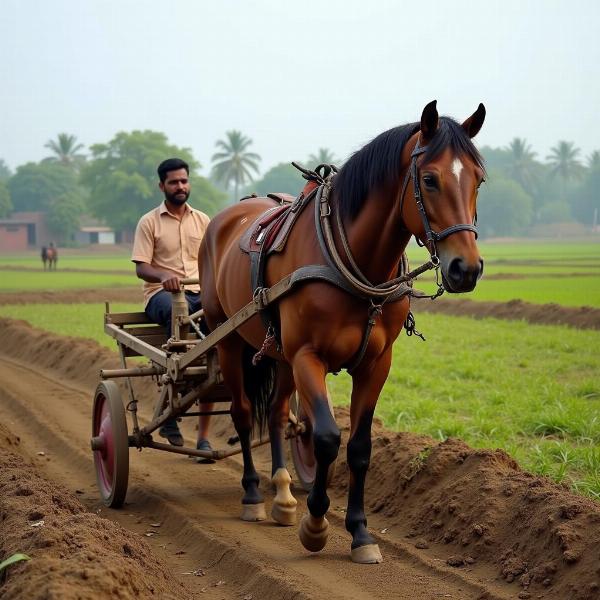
295,77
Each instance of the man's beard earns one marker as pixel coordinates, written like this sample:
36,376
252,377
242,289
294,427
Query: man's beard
173,199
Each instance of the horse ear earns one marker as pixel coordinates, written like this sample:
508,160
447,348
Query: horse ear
429,121
473,124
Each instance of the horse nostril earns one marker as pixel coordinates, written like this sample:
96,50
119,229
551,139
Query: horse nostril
456,270
461,277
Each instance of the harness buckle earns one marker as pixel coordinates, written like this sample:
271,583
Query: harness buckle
260,297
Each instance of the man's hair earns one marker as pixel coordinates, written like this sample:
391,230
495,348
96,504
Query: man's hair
171,164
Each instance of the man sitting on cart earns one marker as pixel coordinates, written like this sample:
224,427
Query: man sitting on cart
165,250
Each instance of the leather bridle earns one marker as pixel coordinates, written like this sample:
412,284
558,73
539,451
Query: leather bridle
431,236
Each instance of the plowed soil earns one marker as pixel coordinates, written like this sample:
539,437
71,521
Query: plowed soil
452,522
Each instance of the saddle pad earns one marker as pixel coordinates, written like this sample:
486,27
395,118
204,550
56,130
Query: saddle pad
259,226
271,229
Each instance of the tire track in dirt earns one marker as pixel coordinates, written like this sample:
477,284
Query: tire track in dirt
200,517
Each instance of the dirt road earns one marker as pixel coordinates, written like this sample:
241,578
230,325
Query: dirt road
190,511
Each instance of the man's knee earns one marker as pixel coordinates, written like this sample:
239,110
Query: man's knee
159,308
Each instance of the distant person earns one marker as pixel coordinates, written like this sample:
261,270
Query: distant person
165,250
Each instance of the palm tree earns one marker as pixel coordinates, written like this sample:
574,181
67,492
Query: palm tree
232,164
593,161
65,149
522,166
564,162
323,157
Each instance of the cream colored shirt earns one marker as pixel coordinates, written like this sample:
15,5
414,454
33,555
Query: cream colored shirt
169,244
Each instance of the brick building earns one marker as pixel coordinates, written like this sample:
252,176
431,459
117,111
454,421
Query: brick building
24,231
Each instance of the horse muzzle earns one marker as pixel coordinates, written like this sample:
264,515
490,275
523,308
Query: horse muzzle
459,276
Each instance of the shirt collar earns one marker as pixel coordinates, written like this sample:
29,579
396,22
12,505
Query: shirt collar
163,208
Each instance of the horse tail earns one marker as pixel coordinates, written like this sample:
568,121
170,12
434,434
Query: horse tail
259,385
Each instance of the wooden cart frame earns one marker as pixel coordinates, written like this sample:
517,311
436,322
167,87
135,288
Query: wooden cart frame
186,369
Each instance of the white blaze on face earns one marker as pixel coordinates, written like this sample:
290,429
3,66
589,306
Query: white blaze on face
457,168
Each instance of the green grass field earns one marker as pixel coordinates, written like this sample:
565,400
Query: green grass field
121,262
15,281
532,390
567,274
79,320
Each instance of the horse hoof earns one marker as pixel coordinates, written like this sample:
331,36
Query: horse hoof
313,532
284,504
284,515
254,512
367,555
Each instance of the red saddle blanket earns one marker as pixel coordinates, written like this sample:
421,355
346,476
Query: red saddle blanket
269,232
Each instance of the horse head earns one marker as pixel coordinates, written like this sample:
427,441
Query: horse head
444,175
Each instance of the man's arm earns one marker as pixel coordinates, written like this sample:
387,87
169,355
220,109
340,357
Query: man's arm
148,273
143,250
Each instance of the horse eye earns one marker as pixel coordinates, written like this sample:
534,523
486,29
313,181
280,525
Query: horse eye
429,181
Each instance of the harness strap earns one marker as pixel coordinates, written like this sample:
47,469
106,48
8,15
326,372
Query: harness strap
374,311
327,244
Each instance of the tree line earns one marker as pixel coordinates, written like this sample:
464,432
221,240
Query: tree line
522,190
116,182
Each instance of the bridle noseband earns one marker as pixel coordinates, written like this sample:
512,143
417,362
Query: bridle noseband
431,236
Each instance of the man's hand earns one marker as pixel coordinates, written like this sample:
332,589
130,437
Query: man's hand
148,273
171,283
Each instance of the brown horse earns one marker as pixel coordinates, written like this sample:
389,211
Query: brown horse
419,179
49,257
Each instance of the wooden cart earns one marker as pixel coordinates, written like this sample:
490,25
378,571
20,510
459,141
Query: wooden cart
186,370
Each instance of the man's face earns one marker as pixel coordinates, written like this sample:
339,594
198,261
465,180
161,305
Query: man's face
176,187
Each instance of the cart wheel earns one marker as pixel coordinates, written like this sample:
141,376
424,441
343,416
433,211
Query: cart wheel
110,444
302,447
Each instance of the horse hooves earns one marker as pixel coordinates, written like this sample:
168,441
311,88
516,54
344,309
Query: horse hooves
284,515
367,555
313,532
254,512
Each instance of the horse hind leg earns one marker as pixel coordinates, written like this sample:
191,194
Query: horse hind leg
283,510
231,357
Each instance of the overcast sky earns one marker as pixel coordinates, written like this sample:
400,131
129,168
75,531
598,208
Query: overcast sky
295,76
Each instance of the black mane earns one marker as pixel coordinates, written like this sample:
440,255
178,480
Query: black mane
378,162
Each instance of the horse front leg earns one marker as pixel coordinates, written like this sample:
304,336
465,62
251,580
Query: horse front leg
284,504
309,375
230,359
367,385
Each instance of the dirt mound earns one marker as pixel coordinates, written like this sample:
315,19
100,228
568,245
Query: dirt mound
582,317
481,503
477,503
75,554
88,296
